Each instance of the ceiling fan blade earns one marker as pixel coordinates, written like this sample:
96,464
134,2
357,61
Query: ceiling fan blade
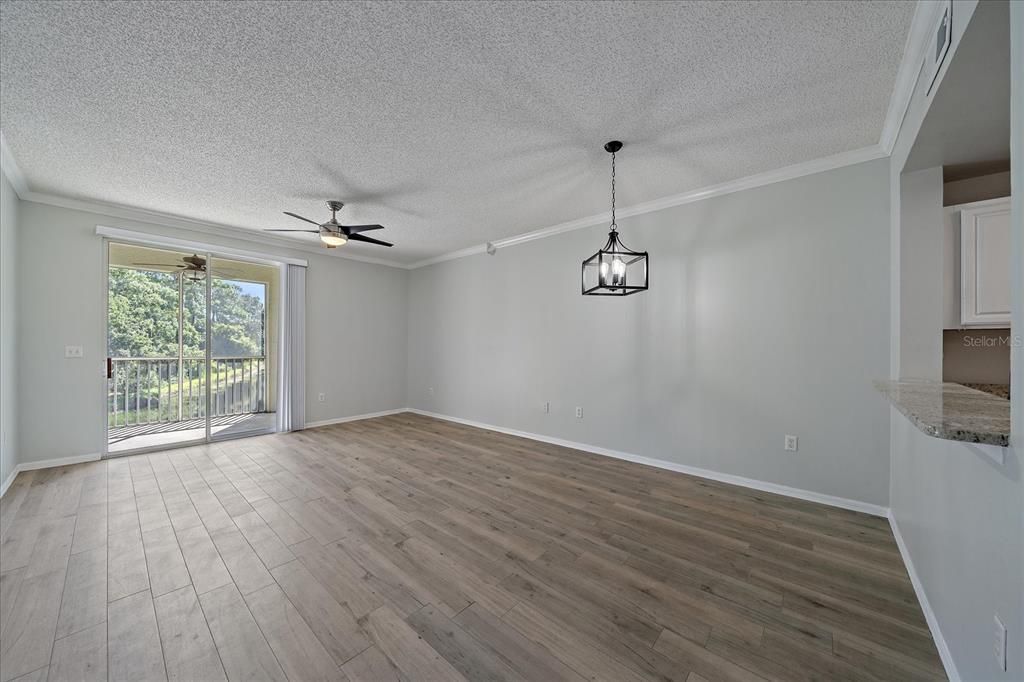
368,240
310,231
160,265
356,229
296,215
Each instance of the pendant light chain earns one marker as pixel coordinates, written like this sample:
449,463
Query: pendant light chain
614,226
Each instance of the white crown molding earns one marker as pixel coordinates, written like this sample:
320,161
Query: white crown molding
11,169
753,483
181,222
164,219
171,220
461,253
925,14
797,170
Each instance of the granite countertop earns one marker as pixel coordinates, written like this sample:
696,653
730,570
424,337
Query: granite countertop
951,411
1001,390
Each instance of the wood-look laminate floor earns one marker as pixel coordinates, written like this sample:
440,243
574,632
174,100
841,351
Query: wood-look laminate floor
405,548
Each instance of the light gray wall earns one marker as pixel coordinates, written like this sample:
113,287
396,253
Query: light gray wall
960,512
9,204
922,238
356,332
767,315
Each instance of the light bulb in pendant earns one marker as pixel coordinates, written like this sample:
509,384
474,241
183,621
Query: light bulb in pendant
617,271
618,268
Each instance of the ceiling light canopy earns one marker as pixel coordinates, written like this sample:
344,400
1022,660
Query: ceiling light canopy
614,270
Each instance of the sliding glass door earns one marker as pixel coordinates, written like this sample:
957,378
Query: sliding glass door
242,310
191,348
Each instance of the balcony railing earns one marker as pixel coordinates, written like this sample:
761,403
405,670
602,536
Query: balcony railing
164,390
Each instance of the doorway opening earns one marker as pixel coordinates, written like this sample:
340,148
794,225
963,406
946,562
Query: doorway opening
192,351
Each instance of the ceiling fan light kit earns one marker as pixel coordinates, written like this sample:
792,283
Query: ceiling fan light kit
614,270
332,233
332,240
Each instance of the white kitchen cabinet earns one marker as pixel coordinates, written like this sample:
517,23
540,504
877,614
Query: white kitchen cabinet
984,263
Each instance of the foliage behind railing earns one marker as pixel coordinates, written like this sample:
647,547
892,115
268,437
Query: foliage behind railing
157,390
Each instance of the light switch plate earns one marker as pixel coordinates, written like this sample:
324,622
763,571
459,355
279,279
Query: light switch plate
74,352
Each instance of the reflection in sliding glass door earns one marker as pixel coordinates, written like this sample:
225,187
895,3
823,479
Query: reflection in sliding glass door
243,308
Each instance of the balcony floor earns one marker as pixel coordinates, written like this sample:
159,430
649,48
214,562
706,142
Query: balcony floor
125,438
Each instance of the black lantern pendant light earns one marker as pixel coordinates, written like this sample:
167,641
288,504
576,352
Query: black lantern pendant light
614,270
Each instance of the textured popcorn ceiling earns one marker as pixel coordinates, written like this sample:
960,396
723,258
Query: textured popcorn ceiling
450,123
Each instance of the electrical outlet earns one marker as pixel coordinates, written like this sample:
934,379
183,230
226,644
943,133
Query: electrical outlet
430,390
579,413
791,443
547,408
74,352
1000,647
322,397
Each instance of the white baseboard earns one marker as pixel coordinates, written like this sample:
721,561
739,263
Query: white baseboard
47,464
77,459
59,462
764,486
922,598
8,482
354,418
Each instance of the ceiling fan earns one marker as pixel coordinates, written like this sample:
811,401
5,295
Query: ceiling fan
332,233
194,267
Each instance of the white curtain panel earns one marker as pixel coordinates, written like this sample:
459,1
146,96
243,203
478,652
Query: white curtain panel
291,413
